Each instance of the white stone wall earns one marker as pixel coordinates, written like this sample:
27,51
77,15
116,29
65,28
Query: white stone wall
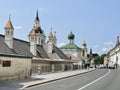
115,53
19,69
73,52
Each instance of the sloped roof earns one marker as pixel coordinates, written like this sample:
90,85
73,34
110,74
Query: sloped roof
22,48
41,52
56,54
73,57
32,32
59,53
50,35
9,25
70,46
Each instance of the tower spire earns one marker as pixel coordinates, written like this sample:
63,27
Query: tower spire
37,17
37,21
9,33
55,38
9,24
50,34
117,41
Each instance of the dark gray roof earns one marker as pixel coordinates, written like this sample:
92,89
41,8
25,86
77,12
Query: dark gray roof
41,52
60,53
4,49
22,48
56,53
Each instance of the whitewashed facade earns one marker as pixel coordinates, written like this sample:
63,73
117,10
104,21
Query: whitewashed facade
115,53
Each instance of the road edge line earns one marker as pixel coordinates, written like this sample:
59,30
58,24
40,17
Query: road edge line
94,81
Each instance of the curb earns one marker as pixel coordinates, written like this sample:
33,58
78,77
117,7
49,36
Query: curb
55,79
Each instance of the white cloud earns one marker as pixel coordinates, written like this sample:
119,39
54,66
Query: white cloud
109,43
105,50
95,46
61,44
17,27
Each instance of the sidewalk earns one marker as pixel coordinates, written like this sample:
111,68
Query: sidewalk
40,79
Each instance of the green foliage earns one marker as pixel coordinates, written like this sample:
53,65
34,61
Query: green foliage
99,59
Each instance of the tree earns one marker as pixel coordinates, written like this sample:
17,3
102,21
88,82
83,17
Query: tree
99,59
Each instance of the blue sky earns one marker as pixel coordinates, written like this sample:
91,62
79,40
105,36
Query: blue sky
95,21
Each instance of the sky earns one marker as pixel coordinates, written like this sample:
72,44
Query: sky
97,22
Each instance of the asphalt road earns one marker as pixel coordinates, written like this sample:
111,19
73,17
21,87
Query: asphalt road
101,79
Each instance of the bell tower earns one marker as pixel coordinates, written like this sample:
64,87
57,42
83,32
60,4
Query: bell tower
9,32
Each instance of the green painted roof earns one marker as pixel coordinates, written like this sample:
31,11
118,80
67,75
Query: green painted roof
70,46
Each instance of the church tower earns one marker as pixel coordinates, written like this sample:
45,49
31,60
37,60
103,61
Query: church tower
90,54
9,32
84,49
52,41
36,35
117,41
32,39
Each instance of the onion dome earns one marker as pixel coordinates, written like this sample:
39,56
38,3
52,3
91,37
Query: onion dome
71,36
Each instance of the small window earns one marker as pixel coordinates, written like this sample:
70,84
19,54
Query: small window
6,64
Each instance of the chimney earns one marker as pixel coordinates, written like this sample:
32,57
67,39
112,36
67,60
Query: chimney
32,40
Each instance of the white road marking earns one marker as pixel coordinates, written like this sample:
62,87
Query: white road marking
94,81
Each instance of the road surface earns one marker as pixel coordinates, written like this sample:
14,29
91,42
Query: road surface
100,79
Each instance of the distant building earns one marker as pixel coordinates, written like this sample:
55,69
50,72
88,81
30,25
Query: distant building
92,56
19,58
74,52
106,61
115,53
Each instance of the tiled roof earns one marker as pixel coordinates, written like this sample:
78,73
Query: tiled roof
70,46
59,53
41,52
4,48
56,54
22,48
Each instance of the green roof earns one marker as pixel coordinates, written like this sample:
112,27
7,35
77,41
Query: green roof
70,46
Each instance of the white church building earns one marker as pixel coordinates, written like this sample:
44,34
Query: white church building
115,53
